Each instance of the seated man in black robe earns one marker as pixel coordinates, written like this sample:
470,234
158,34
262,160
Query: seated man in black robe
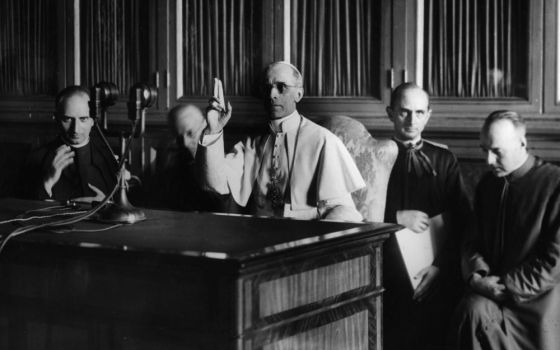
425,182
174,184
76,165
512,261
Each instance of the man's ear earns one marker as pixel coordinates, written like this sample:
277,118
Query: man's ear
56,117
523,142
299,94
389,111
428,115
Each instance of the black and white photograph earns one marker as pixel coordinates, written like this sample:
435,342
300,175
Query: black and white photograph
280,174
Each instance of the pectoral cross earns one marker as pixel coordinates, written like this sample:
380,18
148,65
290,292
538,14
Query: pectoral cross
274,193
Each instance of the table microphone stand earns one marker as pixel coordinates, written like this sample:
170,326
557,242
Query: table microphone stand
120,210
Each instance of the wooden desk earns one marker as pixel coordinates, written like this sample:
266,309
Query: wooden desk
193,281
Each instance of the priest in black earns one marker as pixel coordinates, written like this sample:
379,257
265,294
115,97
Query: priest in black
174,184
512,262
425,185
76,165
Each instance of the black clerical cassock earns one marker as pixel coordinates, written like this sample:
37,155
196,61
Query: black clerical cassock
93,164
425,177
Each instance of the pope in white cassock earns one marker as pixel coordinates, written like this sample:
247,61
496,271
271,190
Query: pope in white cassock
297,169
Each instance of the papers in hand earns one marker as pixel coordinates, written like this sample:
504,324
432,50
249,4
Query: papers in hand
417,249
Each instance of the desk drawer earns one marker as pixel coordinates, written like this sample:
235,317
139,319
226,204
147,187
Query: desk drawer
353,325
312,286
301,287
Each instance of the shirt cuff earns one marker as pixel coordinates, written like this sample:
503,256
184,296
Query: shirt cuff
345,200
210,139
340,209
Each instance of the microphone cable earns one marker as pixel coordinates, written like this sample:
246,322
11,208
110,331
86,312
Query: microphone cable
63,222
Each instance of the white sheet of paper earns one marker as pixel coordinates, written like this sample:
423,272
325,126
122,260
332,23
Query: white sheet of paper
417,249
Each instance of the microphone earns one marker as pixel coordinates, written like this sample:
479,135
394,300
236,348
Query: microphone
103,95
140,97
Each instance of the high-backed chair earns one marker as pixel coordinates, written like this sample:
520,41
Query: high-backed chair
374,158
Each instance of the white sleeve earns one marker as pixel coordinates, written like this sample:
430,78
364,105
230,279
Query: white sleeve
233,173
337,174
212,163
341,209
209,139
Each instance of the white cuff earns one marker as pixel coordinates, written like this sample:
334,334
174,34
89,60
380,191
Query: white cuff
210,139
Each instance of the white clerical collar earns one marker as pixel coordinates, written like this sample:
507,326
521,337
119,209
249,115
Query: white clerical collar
407,143
79,145
285,124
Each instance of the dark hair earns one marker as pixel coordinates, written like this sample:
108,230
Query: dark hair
513,117
399,91
66,93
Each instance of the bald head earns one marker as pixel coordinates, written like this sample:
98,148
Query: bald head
187,123
295,72
404,89
72,114
66,94
514,118
409,111
503,141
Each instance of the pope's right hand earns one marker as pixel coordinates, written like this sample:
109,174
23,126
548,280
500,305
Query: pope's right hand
217,115
63,157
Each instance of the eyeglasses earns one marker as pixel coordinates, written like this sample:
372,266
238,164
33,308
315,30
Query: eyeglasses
280,86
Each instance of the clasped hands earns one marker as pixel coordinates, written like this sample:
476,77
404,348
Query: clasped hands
217,115
489,286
